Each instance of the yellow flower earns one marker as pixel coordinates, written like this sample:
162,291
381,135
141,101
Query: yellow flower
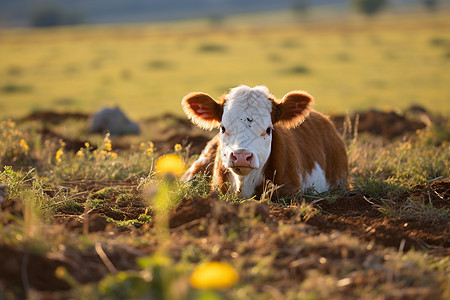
87,145
59,154
24,145
80,153
107,142
148,148
170,164
9,123
214,275
178,148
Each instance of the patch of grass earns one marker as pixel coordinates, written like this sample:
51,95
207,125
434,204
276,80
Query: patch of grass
71,206
15,88
275,57
297,69
439,41
290,43
378,188
198,186
159,64
210,47
401,163
15,71
343,57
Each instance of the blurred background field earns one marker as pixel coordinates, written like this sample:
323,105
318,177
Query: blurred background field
347,61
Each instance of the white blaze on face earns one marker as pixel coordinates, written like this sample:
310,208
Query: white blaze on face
246,136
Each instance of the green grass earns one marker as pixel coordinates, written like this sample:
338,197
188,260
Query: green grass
348,64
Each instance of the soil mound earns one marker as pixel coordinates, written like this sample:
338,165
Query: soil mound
388,125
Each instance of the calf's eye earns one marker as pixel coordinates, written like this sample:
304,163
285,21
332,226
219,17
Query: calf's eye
222,129
268,130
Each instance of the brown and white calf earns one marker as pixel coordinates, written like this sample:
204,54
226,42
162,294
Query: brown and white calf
262,138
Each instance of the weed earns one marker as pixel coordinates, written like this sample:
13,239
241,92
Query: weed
101,163
15,88
297,69
378,188
16,145
197,186
439,41
15,71
343,57
159,64
211,47
290,43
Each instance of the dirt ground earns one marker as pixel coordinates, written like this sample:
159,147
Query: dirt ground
206,218
352,231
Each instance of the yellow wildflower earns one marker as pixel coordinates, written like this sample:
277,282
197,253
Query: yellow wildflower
170,164
214,275
148,148
24,145
107,142
9,123
178,148
80,153
87,145
113,154
59,154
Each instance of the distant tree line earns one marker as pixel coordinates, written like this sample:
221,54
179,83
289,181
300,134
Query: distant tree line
371,7
367,7
49,14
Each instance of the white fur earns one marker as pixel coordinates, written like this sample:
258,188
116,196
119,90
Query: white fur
189,174
245,185
246,117
316,179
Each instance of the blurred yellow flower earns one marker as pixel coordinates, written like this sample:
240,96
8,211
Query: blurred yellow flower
24,145
178,148
214,275
59,154
107,142
148,148
80,153
170,164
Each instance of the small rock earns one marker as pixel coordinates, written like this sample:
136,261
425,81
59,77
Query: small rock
114,121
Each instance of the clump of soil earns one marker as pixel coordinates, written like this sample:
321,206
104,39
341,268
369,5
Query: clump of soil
388,125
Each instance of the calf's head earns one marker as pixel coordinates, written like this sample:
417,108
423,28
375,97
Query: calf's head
246,118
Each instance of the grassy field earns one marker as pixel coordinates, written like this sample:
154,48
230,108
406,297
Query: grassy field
87,216
389,62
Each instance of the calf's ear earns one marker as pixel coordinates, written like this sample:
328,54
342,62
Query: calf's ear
203,110
292,110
